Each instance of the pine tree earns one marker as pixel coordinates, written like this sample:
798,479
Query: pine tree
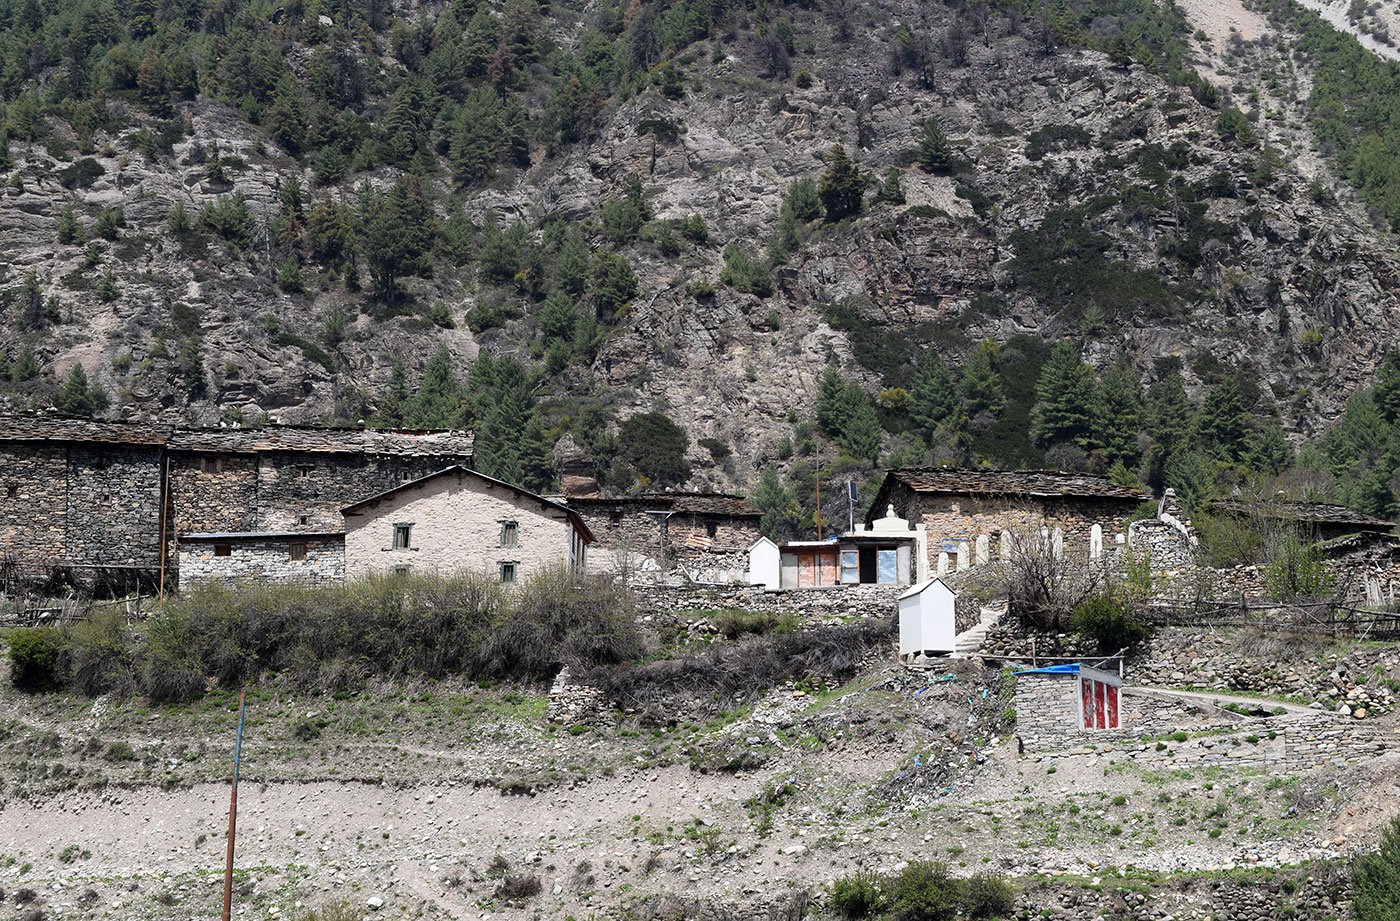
399,233
891,187
782,515
391,407
286,116
1169,412
614,284
981,386
1117,412
1268,450
934,398
842,186
78,397
1222,427
475,136
935,155
438,402
1064,398
861,434
831,402
510,443
571,268
1376,879
1387,388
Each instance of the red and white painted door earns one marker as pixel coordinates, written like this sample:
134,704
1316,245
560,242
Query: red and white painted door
1098,698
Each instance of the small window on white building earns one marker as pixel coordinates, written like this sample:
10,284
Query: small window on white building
508,572
400,570
296,551
403,534
510,534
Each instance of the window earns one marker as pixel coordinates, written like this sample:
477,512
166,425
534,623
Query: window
615,521
223,550
402,535
508,572
303,472
400,570
12,492
303,519
510,534
711,528
297,550
211,464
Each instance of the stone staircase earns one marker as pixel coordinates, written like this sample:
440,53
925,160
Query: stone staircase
969,643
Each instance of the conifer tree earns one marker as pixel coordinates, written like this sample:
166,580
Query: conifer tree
399,233
933,398
1117,413
831,397
981,387
782,515
509,440
475,136
438,402
1064,396
842,186
78,396
861,434
1222,426
935,155
1387,388
1169,411
391,408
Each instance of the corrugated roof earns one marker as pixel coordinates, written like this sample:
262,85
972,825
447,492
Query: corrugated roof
54,427
697,503
1306,513
1041,483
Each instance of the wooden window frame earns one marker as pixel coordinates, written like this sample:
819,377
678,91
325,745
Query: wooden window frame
406,529
296,551
510,534
513,569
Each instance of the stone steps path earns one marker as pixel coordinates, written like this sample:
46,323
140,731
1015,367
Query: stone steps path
969,643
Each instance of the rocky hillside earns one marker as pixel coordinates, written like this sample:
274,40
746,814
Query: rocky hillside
235,211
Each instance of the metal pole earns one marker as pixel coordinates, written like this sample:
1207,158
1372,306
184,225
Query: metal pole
820,536
233,810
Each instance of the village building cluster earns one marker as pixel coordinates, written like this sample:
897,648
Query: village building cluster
125,506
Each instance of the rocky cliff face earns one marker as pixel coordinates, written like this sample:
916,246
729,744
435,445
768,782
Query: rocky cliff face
1092,198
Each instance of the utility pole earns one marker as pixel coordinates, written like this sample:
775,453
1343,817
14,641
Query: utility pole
233,809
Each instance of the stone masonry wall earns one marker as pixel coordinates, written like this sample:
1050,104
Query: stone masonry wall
212,492
266,560
114,506
456,525
967,517
815,604
317,486
33,521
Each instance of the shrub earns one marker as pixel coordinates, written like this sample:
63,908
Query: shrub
1107,621
99,656
120,752
743,271
924,891
36,658
986,895
516,887
1296,570
656,447
1376,878
733,624
857,896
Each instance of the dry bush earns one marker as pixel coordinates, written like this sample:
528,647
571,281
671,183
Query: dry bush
517,887
1042,587
728,675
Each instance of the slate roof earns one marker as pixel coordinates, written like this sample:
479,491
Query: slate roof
311,440
357,508
53,427
258,535
1038,483
1307,513
719,504
73,429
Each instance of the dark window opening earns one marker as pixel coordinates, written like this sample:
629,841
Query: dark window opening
11,492
303,519
211,464
400,570
510,534
297,551
304,472
402,535
223,550
507,572
711,528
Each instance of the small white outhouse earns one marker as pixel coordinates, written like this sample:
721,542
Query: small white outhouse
926,619
764,566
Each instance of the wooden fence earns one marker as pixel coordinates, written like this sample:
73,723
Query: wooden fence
22,612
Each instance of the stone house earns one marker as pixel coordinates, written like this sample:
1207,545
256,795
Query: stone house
458,519
884,552
971,516
709,534
108,503
287,557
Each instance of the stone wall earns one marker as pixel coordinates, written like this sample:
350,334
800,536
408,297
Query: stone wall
214,492
305,492
33,502
264,560
456,525
114,506
629,542
965,518
1318,892
817,604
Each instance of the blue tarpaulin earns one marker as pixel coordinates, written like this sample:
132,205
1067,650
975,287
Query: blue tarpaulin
1070,669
